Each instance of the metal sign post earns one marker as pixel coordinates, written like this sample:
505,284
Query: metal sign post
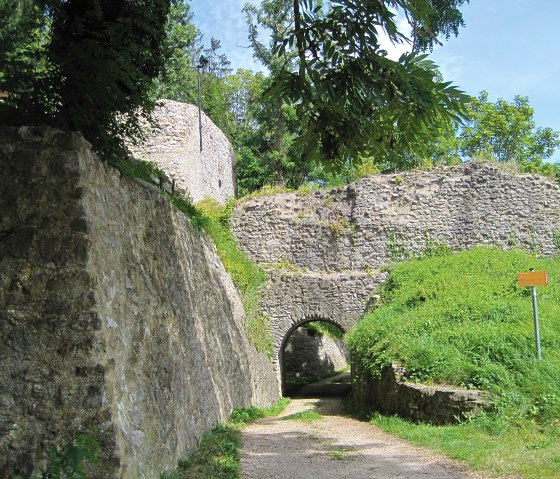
534,279
537,326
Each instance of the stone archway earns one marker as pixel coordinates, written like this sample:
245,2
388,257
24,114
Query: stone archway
292,300
282,348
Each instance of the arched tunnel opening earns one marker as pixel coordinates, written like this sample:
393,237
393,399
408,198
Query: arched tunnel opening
314,360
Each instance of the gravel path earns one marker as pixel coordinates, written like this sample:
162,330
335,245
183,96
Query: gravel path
335,446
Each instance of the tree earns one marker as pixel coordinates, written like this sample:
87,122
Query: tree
263,135
24,38
351,99
177,79
103,56
506,131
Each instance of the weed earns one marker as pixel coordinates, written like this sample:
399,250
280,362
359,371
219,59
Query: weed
284,266
247,276
324,328
304,416
133,168
218,453
433,248
70,460
556,241
267,190
338,227
339,453
534,246
395,246
511,240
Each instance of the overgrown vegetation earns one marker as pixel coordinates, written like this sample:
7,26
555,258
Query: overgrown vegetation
304,416
71,460
324,328
461,319
82,66
247,276
218,456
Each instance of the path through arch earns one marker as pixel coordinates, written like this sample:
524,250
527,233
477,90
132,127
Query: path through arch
312,349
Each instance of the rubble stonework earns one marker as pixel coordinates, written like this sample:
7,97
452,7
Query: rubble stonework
174,144
114,313
367,224
326,250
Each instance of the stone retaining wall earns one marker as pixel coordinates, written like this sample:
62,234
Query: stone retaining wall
390,394
114,313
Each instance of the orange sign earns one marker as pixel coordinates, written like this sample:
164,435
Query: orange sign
533,278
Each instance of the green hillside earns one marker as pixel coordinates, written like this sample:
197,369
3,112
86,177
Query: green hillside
461,319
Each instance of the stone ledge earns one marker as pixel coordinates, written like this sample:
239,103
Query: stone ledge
391,394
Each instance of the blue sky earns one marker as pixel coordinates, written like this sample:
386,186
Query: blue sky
508,48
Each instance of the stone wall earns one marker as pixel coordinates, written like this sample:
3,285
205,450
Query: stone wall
326,250
174,144
309,354
114,313
364,225
292,299
391,394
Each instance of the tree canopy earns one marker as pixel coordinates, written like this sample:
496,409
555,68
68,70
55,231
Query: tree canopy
351,99
97,61
506,131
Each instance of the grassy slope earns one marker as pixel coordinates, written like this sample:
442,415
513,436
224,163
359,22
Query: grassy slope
461,319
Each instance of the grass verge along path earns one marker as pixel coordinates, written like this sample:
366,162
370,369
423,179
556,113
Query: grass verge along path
218,454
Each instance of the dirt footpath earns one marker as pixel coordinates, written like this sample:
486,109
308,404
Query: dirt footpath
334,446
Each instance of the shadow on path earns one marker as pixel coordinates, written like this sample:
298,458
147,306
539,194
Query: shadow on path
336,386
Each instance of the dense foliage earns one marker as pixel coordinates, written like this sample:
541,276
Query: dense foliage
461,319
85,66
332,107
506,131
351,99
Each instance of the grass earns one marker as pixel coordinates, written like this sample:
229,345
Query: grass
340,453
218,454
249,277
304,416
461,319
325,328
133,168
490,444
75,459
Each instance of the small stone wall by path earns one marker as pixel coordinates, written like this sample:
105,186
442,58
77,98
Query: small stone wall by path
391,394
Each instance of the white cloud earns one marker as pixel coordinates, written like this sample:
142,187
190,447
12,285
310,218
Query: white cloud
395,50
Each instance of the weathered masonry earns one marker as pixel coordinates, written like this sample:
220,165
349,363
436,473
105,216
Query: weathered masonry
325,250
114,313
